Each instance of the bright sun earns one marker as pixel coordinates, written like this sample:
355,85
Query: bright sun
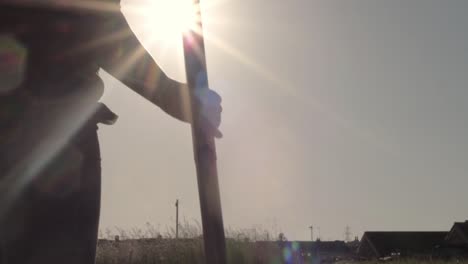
168,19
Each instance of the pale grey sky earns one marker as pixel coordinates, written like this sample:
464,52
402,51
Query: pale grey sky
335,113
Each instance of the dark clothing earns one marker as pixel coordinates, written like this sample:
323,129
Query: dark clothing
58,42
50,172
54,219
63,44
50,182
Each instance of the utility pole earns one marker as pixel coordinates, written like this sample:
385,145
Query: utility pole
311,233
347,234
177,219
204,146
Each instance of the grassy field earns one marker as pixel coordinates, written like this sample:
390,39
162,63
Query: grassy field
149,246
412,261
181,251
149,251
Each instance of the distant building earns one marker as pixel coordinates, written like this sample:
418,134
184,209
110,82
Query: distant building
404,244
456,242
353,245
324,250
458,234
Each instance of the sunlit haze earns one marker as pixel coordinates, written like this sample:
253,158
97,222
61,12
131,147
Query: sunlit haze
335,113
163,20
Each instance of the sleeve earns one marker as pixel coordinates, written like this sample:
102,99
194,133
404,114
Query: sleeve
124,57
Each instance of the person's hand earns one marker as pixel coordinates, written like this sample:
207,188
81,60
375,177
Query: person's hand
209,105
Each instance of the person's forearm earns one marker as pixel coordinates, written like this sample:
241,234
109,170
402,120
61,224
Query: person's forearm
127,60
171,96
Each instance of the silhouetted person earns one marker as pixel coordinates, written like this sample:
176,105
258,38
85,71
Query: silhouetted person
50,53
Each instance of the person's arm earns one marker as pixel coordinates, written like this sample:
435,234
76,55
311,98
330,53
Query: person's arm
126,59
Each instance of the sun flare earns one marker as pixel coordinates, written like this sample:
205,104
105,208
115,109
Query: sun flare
169,19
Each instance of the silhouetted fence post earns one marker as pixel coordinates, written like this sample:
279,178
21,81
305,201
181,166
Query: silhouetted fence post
177,219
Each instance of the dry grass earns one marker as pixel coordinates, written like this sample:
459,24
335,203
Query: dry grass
150,246
414,261
181,251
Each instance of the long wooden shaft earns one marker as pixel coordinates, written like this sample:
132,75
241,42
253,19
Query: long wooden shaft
204,151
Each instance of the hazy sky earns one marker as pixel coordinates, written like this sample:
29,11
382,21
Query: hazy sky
335,113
